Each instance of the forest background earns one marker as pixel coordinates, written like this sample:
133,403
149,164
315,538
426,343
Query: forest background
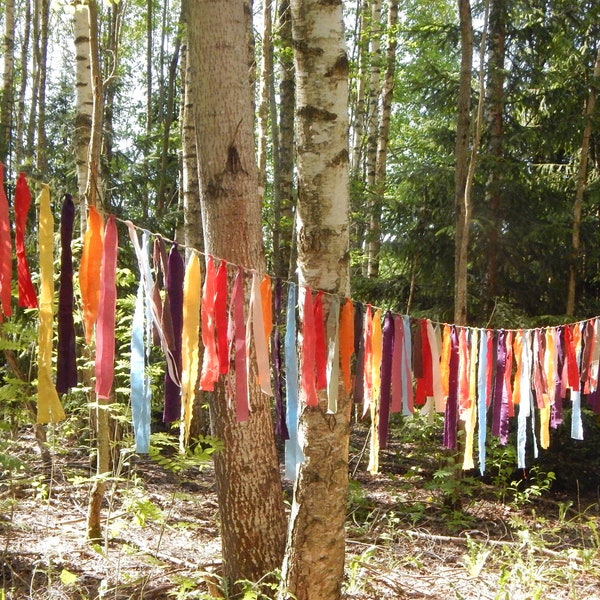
473,152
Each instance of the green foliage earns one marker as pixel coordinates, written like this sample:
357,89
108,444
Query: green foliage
165,451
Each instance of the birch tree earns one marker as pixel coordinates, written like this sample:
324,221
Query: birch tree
314,561
7,90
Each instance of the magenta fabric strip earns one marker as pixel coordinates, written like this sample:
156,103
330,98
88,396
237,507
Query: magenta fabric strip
386,378
451,422
239,341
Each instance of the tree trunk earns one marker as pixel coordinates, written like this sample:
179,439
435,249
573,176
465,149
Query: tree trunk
35,83
85,98
580,189
463,209
247,471
149,45
7,90
266,75
192,216
374,205
314,562
41,161
93,193
284,183
495,126
383,137
21,109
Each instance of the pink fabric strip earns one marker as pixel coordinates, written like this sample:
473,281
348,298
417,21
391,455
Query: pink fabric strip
309,389
320,346
238,333
221,317
210,360
105,327
398,347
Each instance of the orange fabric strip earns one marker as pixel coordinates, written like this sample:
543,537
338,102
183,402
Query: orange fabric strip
347,342
89,271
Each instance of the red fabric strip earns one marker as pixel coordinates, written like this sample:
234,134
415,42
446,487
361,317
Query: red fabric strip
27,297
239,340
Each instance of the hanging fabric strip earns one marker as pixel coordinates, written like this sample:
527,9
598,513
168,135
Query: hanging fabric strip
242,400
559,391
445,360
407,393
436,375
293,452
49,408
278,385
140,397
221,318
397,367
464,400
499,383
309,390
471,412
333,354
320,344
491,361
144,265
425,382
368,366
190,342
482,399
376,356
261,348
173,315
66,357
89,271
523,344
595,359
347,343
586,355
506,408
210,361
266,295
386,378
451,421
5,252
27,297
359,351
160,267
105,333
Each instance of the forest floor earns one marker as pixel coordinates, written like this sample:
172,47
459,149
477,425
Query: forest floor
404,538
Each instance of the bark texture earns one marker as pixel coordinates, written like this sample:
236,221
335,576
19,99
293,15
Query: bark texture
247,470
463,211
7,89
314,563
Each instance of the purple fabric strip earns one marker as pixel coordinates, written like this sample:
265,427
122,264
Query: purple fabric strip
556,412
281,429
174,287
359,352
386,378
66,360
451,422
497,399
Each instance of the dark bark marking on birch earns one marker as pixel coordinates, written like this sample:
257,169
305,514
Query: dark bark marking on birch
313,113
339,68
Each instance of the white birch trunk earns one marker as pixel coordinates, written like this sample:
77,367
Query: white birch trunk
7,90
85,96
314,563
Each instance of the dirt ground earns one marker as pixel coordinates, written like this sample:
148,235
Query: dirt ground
403,541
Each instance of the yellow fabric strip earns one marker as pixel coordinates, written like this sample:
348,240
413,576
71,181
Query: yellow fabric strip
49,408
190,340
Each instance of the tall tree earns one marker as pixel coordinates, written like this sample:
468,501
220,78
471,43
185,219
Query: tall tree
283,180
247,471
7,83
495,129
314,562
462,199
21,107
580,186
